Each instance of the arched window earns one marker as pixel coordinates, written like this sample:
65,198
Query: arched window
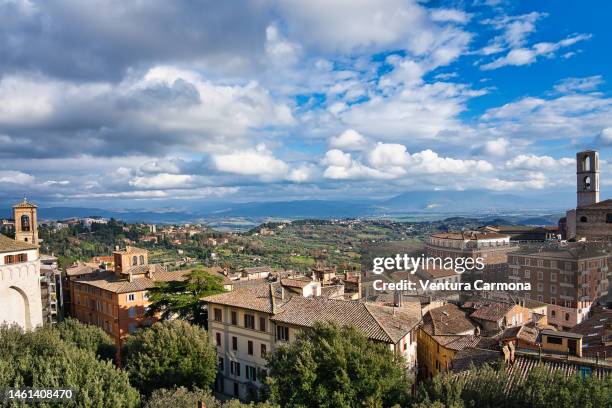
142,259
25,223
553,313
586,164
134,261
567,316
583,219
587,183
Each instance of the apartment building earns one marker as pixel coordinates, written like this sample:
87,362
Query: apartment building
248,322
117,301
570,278
492,247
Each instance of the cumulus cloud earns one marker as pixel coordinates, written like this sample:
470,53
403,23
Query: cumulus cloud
16,177
253,162
349,140
533,162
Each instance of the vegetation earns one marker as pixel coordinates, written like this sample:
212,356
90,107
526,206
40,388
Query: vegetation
487,387
45,358
87,337
169,354
184,298
332,366
183,398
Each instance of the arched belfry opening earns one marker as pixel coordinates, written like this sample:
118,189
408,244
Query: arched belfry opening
587,178
25,223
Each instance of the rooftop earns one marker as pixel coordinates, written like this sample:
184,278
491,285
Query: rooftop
110,281
448,320
469,235
10,245
489,311
25,204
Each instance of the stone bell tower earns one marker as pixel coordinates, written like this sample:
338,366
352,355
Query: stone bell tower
26,222
587,178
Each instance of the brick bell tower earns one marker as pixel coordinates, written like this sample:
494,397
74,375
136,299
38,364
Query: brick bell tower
26,222
587,178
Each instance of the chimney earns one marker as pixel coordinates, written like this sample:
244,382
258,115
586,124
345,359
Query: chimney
397,299
272,299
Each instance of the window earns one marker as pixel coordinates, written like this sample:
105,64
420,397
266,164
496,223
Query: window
236,390
554,340
249,321
264,351
250,347
553,277
218,315
235,368
540,298
142,259
25,223
527,273
282,333
134,260
132,328
609,218
235,343
583,219
540,287
540,275
553,313
251,373
132,312
221,364
567,316
218,338
262,324
553,301
234,318
553,288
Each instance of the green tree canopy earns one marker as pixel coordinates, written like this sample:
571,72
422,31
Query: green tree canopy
184,298
169,354
182,397
43,359
332,366
87,337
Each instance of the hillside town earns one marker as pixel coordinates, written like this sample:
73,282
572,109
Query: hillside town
563,323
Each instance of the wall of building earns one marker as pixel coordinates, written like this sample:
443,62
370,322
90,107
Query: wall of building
20,299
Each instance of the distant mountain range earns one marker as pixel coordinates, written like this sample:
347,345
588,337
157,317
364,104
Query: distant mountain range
418,202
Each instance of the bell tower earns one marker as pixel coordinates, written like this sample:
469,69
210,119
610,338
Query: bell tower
587,177
26,223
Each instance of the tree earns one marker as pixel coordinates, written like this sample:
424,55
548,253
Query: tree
87,337
183,398
184,298
333,366
42,359
168,354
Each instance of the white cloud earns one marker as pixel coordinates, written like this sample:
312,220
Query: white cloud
278,49
16,177
349,140
605,137
450,15
533,162
569,85
162,181
254,162
497,147
527,56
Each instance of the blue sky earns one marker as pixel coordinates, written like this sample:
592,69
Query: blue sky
152,104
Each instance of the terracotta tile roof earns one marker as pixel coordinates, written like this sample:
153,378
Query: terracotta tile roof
10,245
490,311
296,282
109,281
597,333
375,321
449,319
25,204
526,333
253,297
80,269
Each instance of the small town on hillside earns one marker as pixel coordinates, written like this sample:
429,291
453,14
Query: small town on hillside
51,273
